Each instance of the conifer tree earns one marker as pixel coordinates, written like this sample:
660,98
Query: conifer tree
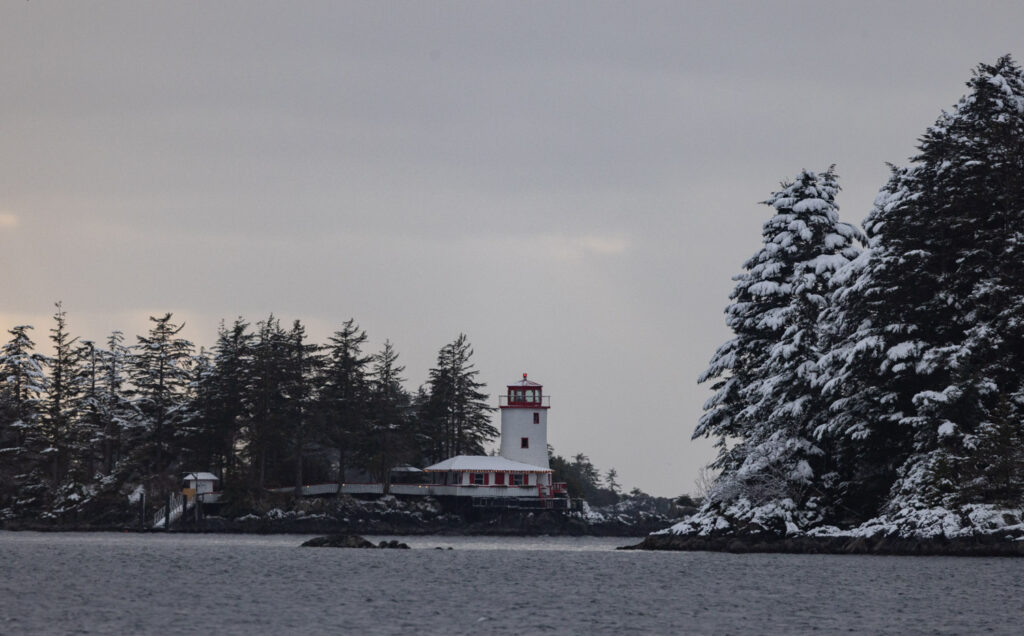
227,406
342,403
59,412
765,410
115,412
87,429
266,439
456,411
388,438
22,383
160,380
303,363
932,335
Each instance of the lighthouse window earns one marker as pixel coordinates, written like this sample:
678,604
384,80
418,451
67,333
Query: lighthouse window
536,418
524,442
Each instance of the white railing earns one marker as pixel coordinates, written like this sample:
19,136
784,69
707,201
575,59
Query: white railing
160,519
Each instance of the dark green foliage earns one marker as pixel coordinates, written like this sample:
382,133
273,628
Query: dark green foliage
583,480
342,406
456,414
389,435
160,380
993,464
22,383
59,404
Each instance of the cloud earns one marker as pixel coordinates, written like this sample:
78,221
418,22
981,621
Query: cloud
572,248
8,221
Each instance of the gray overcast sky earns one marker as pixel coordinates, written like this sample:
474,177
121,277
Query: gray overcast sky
571,184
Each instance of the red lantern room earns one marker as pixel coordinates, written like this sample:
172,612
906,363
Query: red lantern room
525,394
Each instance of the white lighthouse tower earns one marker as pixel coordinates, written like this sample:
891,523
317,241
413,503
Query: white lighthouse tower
524,423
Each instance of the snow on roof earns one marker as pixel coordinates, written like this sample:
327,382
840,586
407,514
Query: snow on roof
201,477
484,463
406,469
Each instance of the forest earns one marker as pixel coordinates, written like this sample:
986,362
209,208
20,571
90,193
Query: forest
263,408
875,377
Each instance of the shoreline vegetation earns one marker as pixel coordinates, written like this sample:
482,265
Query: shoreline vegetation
97,436
635,516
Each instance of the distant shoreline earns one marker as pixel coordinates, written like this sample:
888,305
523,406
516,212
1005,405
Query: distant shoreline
979,546
264,527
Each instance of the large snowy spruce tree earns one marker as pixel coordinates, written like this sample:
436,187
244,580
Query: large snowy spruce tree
773,471
930,374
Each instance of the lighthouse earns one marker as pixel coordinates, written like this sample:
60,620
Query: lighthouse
524,423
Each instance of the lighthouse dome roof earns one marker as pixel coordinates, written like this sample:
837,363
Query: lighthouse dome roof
524,382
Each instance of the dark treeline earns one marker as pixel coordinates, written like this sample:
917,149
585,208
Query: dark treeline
883,386
263,408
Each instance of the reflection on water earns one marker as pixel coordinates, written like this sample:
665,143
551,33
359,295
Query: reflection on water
160,584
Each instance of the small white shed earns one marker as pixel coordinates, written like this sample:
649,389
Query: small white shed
201,483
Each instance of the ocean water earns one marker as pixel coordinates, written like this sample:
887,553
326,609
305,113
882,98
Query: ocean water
66,583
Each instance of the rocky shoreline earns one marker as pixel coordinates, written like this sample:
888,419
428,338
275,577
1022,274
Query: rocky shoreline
574,528
379,517
988,545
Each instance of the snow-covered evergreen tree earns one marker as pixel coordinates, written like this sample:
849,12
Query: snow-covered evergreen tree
933,351
22,383
765,410
116,414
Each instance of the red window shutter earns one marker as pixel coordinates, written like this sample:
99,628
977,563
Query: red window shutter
486,480
499,479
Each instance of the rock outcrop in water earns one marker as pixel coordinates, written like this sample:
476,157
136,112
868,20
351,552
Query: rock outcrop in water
351,541
338,541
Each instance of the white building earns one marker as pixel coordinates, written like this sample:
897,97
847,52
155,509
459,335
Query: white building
521,468
201,483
